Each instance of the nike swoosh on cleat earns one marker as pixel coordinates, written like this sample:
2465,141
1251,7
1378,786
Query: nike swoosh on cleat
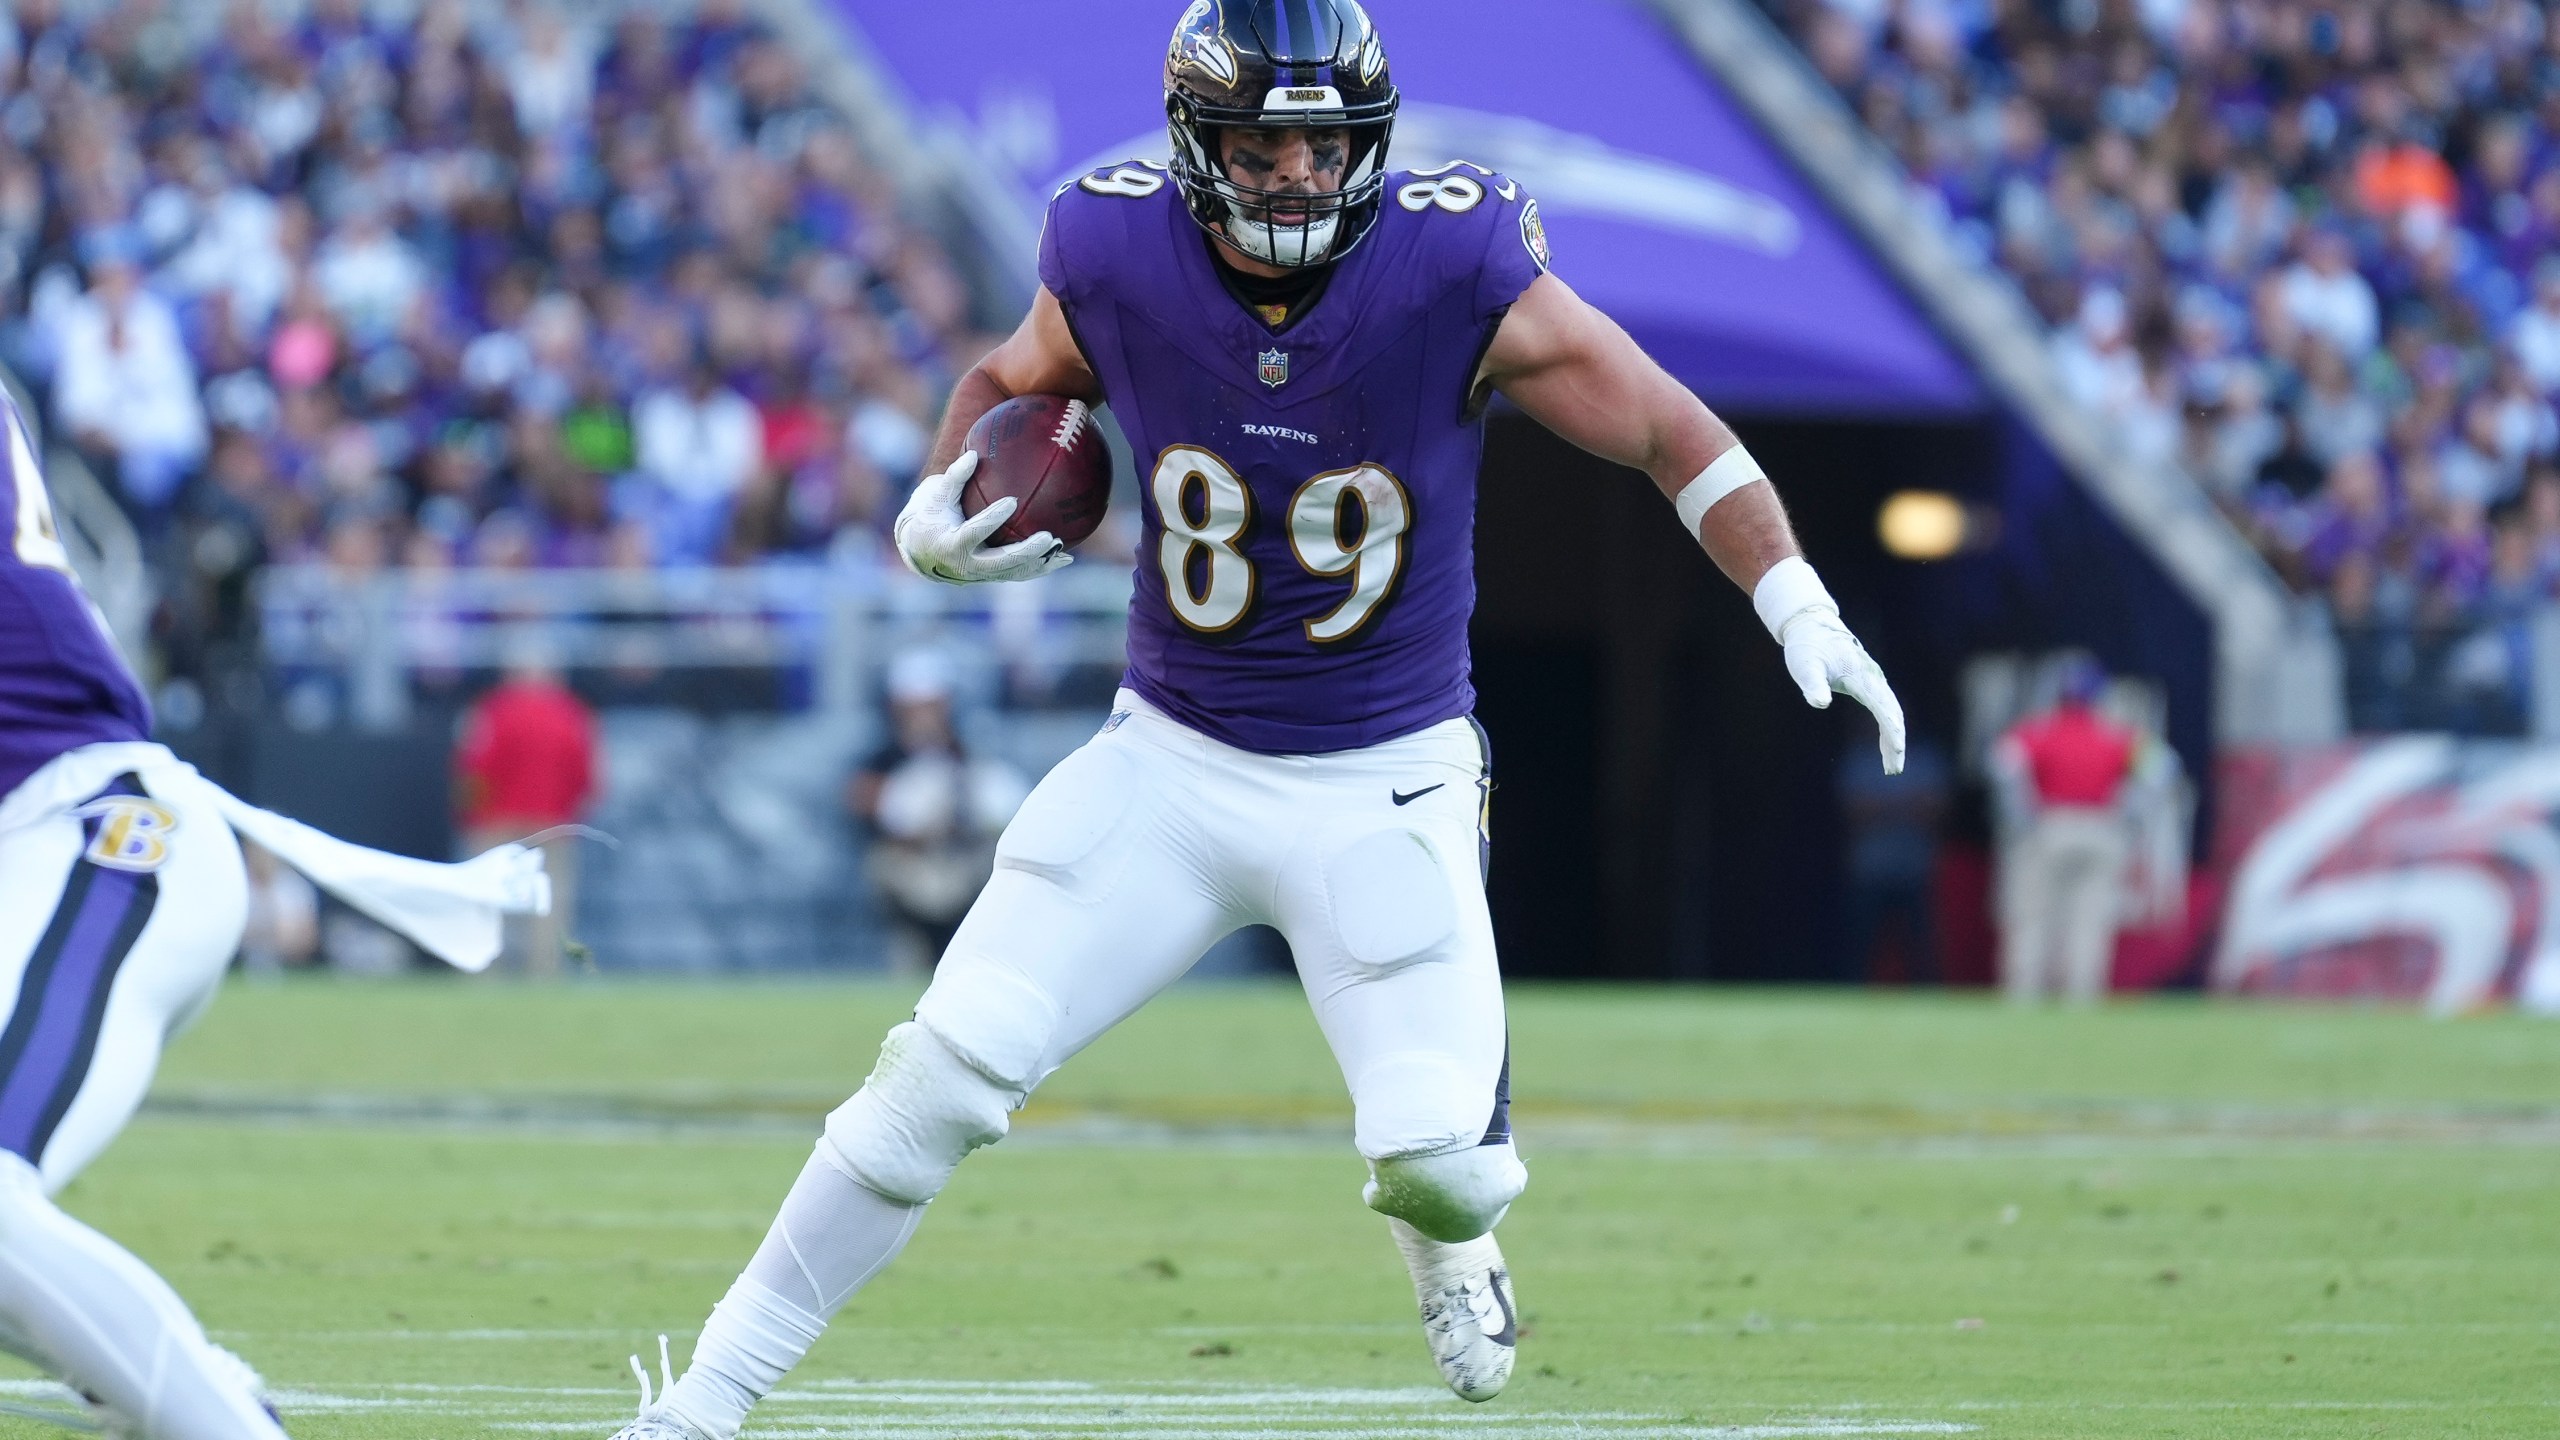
1403,799
1510,1334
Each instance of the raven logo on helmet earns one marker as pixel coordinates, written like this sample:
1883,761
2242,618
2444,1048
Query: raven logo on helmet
1202,48
1373,55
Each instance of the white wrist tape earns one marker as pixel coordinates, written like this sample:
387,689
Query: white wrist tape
1731,471
1789,589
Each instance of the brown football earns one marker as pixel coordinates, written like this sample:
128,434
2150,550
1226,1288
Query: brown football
1047,452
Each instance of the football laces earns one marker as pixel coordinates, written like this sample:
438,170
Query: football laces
1070,425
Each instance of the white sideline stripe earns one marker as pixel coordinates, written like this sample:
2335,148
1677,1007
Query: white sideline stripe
1218,1400
1347,1327
314,1402
617,1333
2403,1327
1055,1410
1565,1428
624,1333
2472,1403
1007,1386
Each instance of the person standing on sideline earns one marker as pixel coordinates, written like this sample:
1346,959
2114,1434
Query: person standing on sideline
527,764
932,811
2061,776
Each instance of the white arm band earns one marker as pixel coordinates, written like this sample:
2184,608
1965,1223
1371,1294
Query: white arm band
1789,589
1731,471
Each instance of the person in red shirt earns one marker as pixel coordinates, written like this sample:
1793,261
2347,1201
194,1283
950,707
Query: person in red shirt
2061,776
526,764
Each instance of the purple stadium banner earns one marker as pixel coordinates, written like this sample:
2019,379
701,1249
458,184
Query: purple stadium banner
1667,208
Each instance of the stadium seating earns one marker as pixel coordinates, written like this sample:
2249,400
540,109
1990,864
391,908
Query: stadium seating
515,289
2304,251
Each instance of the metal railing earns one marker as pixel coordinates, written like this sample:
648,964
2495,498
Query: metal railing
378,635
106,552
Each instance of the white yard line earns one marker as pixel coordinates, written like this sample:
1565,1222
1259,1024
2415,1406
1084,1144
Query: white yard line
1952,1130
239,1337
1524,1428
1061,1410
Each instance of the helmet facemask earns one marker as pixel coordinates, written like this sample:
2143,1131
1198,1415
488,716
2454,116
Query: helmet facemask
1325,225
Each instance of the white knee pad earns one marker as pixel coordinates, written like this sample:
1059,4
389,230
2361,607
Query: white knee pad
912,1122
1451,1197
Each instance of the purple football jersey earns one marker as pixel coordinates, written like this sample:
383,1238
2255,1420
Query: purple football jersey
62,684
1309,492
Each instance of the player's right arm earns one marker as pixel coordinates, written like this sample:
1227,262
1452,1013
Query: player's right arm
1039,358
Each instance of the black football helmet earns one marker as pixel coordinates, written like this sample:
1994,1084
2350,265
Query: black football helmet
1274,64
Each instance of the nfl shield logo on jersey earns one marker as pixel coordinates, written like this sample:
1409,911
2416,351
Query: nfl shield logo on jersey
1275,368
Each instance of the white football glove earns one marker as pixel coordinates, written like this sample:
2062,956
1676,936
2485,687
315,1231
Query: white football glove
939,543
1823,658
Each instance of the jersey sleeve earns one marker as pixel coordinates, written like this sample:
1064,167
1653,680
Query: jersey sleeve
1516,252
1053,243
1089,225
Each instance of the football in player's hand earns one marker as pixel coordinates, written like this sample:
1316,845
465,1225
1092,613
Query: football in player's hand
1047,453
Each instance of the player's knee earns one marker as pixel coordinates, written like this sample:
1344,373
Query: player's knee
921,1112
1423,1102
990,1014
1450,1197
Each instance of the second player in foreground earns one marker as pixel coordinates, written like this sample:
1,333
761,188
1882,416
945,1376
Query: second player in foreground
1302,342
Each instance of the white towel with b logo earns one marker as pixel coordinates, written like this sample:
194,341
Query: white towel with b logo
454,912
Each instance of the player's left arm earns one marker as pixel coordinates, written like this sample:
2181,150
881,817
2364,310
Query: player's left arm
1572,369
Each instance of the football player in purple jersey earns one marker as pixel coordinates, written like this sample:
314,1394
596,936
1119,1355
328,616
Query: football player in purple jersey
121,902
1298,343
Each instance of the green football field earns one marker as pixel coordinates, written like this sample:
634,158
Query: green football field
448,1209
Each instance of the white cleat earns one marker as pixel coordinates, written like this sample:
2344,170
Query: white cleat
1474,1330
108,1422
241,1373
658,1427
654,1422
112,1424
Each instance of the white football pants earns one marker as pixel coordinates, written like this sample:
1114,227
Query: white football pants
1146,846
120,909
1134,856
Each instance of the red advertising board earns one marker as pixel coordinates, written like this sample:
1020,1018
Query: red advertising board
2416,868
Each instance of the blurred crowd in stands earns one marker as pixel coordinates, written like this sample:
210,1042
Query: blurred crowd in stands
2307,249
508,284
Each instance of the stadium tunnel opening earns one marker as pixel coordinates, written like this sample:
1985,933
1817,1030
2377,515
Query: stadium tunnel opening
1666,805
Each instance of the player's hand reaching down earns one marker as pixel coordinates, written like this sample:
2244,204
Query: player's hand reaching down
940,543
1823,657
